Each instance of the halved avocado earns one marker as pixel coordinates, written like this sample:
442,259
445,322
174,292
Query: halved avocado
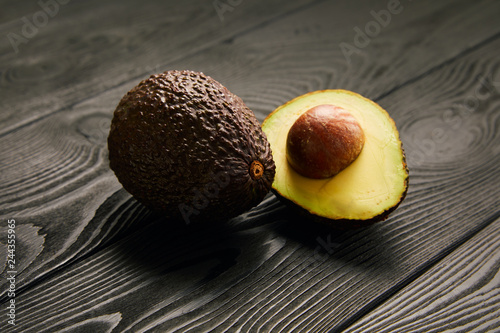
364,192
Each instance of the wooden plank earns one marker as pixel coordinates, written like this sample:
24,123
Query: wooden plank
89,64
52,63
55,176
58,189
302,53
266,270
460,293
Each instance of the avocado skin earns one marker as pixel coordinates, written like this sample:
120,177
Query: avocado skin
182,144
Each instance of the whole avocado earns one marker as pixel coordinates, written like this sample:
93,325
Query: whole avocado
182,144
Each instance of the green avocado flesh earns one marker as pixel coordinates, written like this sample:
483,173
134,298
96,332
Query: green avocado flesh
182,144
369,188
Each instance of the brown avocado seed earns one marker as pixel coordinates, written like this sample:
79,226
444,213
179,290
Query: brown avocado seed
324,141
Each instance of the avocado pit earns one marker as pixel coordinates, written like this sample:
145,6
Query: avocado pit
323,141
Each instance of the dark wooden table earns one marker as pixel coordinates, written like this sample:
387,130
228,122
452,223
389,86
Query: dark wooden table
89,258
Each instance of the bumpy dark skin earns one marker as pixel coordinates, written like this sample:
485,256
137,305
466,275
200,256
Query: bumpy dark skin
182,144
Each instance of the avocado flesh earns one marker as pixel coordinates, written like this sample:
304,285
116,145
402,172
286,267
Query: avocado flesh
184,145
368,189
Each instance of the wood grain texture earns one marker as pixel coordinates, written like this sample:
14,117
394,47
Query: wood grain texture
302,53
88,47
54,173
266,271
434,67
460,294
